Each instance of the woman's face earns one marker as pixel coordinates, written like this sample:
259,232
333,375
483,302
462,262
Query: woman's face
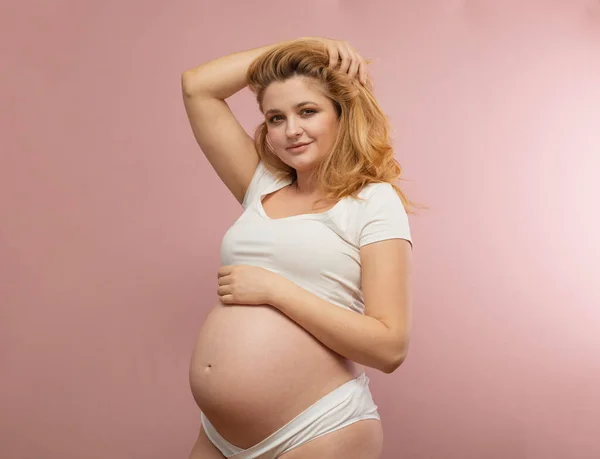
296,114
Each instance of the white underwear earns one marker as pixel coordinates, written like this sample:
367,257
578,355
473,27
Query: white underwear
349,403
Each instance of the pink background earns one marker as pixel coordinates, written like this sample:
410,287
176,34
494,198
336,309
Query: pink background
111,219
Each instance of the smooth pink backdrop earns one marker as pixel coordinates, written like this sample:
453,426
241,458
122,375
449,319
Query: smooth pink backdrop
111,219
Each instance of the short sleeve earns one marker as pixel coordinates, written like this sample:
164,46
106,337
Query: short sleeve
261,180
383,216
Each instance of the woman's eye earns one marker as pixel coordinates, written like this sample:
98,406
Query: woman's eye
308,111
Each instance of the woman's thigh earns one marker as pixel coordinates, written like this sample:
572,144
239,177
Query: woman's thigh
204,449
359,440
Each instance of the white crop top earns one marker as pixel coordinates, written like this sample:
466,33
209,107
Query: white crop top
319,251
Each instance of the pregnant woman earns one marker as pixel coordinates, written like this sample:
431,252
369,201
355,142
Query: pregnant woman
314,283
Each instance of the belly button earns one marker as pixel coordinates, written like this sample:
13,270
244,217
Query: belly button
208,367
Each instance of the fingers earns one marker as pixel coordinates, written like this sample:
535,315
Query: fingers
225,270
333,54
224,280
362,72
349,60
224,290
347,56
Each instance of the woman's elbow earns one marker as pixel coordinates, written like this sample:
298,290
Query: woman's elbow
397,359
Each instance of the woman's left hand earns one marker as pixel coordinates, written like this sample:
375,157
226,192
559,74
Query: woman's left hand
247,285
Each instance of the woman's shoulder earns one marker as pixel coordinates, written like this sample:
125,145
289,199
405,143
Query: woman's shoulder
374,197
376,190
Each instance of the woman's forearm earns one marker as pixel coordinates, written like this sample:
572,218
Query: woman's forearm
221,77
360,338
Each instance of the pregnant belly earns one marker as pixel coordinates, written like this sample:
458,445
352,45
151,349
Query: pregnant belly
253,370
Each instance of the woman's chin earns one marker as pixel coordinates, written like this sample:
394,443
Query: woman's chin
302,163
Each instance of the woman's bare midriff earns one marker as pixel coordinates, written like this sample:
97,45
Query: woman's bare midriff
253,370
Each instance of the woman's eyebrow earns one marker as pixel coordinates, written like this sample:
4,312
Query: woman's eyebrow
301,104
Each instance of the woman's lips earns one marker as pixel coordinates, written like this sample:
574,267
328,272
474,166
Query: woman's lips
298,148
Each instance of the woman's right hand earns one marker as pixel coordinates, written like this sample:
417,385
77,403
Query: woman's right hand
349,59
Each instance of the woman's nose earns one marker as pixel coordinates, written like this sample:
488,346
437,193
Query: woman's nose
293,130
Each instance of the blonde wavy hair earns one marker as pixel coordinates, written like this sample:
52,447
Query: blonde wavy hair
362,152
